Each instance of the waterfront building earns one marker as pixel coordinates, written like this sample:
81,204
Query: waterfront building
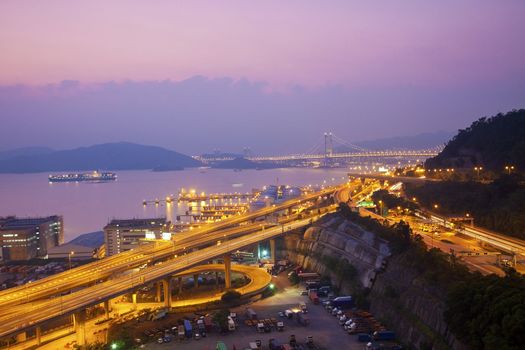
123,235
28,238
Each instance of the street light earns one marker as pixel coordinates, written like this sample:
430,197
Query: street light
509,168
478,169
69,255
436,206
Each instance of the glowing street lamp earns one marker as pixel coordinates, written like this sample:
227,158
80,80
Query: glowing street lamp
69,255
509,168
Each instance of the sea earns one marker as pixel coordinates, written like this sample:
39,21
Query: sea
88,207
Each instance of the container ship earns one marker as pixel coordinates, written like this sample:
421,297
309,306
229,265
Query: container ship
93,177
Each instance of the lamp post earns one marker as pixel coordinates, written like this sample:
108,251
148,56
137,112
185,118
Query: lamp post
69,255
478,169
509,168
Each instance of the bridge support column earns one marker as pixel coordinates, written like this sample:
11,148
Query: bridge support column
180,285
158,287
216,278
196,280
227,271
106,309
21,337
272,251
134,299
38,335
166,283
79,320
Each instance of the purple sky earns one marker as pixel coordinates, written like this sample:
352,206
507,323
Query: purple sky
76,73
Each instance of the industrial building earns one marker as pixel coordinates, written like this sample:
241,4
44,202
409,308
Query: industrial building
123,235
28,238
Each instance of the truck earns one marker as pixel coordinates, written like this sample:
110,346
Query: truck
208,324
221,346
302,307
188,330
250,314
231,324
303,319
364,338
345,302
384,335
181,332
313,297
308,275
274,344
158,315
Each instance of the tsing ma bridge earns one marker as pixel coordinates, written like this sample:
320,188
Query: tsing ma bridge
325,151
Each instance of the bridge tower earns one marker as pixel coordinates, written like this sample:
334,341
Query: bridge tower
328,147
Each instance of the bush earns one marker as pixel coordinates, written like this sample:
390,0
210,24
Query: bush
230,296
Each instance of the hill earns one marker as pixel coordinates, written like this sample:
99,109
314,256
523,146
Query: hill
109,156
419,141
492,143
25,151
242,163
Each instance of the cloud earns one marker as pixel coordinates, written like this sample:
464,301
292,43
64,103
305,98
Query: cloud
200,114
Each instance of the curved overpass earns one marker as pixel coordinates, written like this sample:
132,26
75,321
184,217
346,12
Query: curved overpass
29,315
94,272
259,280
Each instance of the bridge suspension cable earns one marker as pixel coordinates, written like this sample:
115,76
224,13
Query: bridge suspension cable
348,144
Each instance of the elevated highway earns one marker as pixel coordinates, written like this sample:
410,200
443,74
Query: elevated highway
31,310
32,315
98,271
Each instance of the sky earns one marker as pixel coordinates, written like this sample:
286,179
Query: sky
270,75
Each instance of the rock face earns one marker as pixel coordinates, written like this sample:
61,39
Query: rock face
339,238
397,297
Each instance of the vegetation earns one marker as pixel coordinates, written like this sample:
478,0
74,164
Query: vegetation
498,205
485,312
121,337
488,312
294,278
398,234
492,143
390,201
231,296
220,317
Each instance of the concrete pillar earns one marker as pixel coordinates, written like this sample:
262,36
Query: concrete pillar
158,287
134,298
227,271
216,278
80,326
167,292
196,280
106,309
272,251
38,335
180,285
21,337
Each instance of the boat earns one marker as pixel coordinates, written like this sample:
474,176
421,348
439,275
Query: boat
94,176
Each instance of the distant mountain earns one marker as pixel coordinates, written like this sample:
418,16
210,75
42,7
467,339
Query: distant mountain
91,239
242,163
419,141
489,142
109,156
26,151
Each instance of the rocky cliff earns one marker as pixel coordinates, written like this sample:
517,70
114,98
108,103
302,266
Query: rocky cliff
395,293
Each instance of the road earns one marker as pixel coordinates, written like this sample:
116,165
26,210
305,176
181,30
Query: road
100,270
32,315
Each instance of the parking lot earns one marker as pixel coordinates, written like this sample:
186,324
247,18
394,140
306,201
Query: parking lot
323,327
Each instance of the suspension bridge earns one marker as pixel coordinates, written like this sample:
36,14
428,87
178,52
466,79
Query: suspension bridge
331,147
